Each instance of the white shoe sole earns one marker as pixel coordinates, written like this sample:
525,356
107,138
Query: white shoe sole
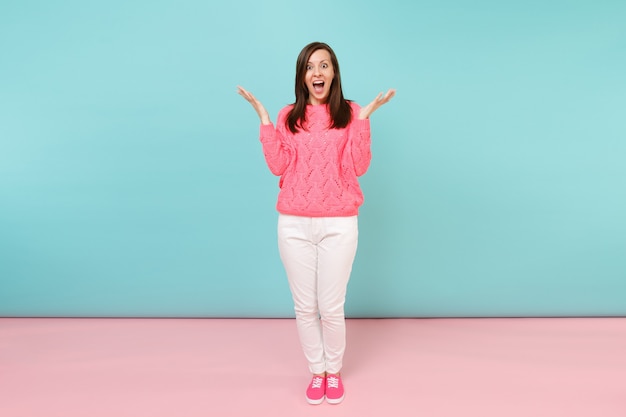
314,402
335,400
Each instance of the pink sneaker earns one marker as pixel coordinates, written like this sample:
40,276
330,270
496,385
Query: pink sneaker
334,389
316,390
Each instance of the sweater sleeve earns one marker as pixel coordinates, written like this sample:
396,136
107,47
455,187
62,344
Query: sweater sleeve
360,145
275,148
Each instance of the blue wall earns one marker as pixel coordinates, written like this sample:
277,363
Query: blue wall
132,182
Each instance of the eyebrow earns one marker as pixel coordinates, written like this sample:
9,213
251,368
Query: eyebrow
323,60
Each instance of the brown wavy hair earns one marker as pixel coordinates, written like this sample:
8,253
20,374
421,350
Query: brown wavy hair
339,107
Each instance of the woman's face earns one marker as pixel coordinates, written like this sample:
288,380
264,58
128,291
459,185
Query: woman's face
319,76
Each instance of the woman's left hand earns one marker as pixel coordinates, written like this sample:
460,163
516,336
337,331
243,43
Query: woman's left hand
374,105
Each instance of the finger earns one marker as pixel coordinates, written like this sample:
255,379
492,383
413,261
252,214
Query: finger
245,93
248,96
388,96
375,103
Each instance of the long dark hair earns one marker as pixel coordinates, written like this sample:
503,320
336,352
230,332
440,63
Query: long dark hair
339,108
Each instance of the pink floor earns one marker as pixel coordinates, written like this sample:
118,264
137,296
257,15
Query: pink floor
254,367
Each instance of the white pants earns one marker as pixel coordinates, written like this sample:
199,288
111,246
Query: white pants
317,253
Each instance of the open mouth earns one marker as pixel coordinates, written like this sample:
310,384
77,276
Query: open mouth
318,86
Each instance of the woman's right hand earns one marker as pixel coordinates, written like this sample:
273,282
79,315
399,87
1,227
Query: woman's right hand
258,106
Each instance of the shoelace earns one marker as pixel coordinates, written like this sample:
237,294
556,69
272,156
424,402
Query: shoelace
333,382
317,382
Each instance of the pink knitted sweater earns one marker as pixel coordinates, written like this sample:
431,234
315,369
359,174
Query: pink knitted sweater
318,166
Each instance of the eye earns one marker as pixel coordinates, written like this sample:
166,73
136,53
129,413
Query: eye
324,66
309,67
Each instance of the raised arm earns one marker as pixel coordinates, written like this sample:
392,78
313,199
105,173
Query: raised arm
256,104
367,111
277,153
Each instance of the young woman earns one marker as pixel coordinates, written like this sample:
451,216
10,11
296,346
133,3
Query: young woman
319,146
